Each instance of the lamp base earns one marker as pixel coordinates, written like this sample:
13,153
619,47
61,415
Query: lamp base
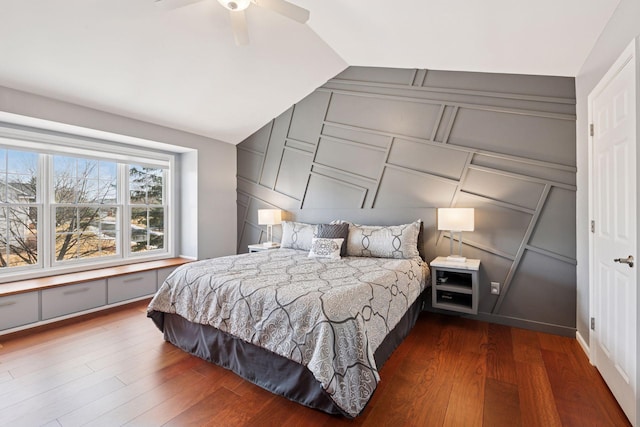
270,244
456,258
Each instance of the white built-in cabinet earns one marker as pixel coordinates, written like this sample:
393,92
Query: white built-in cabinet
20,310
131,286
65,300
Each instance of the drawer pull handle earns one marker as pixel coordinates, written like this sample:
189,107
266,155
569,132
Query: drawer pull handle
134,279
75,291
7,304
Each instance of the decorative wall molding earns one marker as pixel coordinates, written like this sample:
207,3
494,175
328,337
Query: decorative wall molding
393,140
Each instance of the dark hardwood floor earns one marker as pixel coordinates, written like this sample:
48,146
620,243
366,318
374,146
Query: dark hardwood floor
116,370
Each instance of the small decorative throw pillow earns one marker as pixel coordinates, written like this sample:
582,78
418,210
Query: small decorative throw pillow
335,231
325,248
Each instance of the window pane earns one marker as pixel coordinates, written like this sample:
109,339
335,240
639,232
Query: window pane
138,229
108,231
88,219
83,181
66,246
18,236
88,168
86,232
66,219
147,229
108,193
64,182
19,219
108,171
22,162
156,228
21,188
18,177
145,185
23,232
91,246
109,222
90,191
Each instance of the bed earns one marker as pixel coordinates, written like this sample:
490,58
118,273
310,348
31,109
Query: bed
313,329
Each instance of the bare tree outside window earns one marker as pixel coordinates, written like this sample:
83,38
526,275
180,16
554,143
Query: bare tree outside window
86,213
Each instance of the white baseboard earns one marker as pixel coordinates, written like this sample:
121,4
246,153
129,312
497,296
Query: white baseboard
583,344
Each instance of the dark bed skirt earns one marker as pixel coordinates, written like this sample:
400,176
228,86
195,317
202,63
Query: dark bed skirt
262,367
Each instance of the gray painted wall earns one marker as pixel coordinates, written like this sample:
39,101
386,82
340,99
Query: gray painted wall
386,146
207,167
623,27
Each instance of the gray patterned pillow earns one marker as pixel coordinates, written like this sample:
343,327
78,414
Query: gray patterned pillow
395,241
335,231
325,248
297,235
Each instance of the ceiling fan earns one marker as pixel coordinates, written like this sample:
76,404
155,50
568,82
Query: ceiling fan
238,19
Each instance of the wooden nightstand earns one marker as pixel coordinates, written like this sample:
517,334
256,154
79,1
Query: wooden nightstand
258,247
455,285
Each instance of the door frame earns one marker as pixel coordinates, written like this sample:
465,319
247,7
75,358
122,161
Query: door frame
630,53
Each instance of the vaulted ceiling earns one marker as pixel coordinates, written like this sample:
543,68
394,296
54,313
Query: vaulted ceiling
180,68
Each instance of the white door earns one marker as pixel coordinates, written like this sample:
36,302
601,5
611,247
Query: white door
614,261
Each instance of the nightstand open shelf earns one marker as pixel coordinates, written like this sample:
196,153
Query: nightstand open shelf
455,285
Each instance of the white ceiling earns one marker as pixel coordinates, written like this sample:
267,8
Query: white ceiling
180,68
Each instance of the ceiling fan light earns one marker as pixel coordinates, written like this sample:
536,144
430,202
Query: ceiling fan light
235,5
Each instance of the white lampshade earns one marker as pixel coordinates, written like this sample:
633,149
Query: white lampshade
455,219
269,216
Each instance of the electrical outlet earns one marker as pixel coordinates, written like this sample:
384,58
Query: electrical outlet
495,288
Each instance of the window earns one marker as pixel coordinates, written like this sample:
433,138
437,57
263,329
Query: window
59,209
146,195
18,208
85,206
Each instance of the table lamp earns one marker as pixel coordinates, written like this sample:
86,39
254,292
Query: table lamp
455,220
269,217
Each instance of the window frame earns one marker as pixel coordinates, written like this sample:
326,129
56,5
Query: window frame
46,146
164,206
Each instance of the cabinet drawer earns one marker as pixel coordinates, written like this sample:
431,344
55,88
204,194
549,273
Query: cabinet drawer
18,310
163,273
71,299
131,286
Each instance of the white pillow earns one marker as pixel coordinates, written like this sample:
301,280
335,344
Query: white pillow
325,248
297,235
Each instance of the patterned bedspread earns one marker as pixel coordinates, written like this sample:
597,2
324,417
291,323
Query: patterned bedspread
329,315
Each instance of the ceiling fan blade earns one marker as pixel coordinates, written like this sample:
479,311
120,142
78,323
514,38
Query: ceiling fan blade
285,8
174,4
239,27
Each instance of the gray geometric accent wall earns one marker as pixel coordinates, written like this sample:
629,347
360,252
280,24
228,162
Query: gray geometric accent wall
386,143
